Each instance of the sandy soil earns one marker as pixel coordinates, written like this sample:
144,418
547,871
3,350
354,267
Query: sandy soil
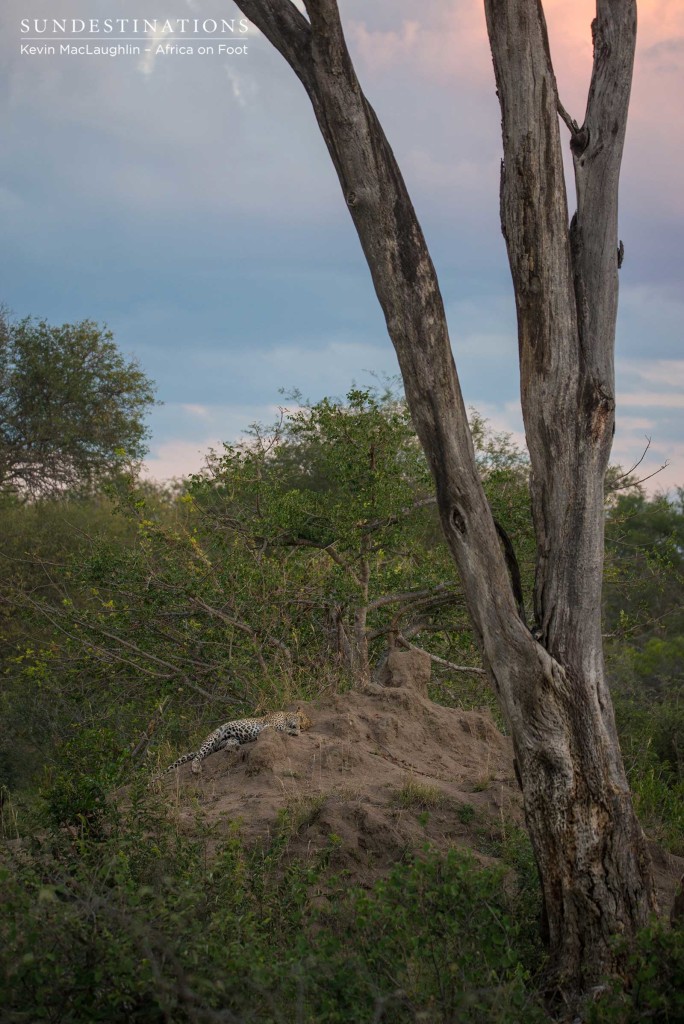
380,773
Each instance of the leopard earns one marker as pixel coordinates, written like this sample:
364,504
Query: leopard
232,735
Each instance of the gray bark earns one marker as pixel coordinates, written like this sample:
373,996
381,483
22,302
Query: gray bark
590,850
566,290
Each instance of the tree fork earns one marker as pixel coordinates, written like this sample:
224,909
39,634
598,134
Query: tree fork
565,284
589,847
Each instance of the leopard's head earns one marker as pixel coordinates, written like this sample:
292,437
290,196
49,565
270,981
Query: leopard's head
302,719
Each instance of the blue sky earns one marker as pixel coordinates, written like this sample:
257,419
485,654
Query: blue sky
189,203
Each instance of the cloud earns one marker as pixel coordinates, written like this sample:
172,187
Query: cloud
154,37
461,175
448,46
383,49
663,400
503,418
190,430
449,41
650,323
242,87
665,55
666,373
327,366
177,458
662,462
201,412
659,20
203,220
633,423
193,422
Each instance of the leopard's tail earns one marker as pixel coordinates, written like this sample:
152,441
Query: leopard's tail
176,764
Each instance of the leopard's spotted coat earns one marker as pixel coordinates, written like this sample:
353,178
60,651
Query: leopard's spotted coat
231,735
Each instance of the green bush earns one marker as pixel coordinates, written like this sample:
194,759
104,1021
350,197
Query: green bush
655,992
438,940
651,733
142,926
75,791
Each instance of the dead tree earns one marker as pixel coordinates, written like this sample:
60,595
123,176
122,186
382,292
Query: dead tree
590,850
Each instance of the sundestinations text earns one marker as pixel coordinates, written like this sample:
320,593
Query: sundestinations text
134,26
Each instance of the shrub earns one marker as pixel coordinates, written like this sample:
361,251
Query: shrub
655,991
438,938
142,926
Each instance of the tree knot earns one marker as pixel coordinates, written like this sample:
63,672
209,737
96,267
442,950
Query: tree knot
579,140
458,521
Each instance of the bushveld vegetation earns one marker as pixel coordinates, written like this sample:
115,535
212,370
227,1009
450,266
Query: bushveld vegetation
134,617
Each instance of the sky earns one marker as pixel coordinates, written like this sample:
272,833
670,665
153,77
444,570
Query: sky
188,202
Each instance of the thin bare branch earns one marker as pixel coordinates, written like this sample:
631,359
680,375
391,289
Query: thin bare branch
403,642
569,122
637,483
244,627
411,596
637,463
230,620
643,479
176,673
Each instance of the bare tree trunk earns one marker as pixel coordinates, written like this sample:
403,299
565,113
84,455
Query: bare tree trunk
589,847
361,664
588,844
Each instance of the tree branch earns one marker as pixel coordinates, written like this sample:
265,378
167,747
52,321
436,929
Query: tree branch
643,479
244,627
286,29
410,596
440,661
594,231
406,285
570,123
176,672
377,524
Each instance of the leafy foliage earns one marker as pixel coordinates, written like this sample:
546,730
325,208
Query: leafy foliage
645,654
289,566
131,622
654,989
141,927
71,406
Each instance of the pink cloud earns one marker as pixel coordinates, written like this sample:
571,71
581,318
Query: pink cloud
177,458
383,49
450,41
448,44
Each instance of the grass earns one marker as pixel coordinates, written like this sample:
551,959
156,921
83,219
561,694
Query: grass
419,796
299,813
659,804
465,813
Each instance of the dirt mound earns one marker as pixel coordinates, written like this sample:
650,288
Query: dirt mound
381,772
